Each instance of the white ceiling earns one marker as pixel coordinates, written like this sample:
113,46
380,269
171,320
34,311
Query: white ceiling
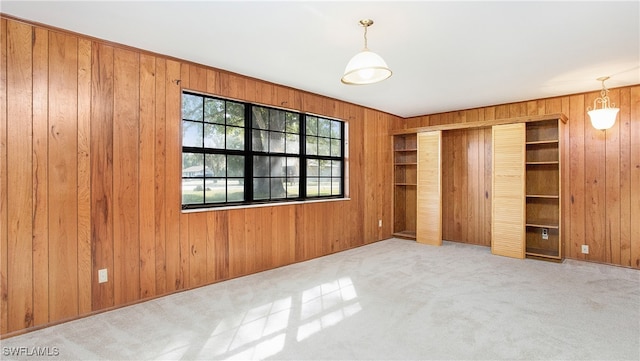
445,55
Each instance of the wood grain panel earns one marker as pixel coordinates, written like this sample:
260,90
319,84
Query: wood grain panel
576,176
213,82
237,243
126,124
19,178
487,191
4,251
221,235
184,250
160,177
84,177
448,219
102,173
565,184
612,189
197,248
218,245
282,235
232,86
63,177
635,177
173,165
508,204
198,78
625,177
40,177
354,130
473,169
429,195
146,176
595,183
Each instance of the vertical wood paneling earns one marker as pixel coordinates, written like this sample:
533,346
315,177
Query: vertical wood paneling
282,234
197,232
612,189
63,176
595,185
173,163
487,191
355,134
102,173
198,78
84,176
576,175
160,177
212,246
213,82
40,177
473,169
221,246
126,123
146,176
19,177
635,177
237,243
625,177
4,252
184,251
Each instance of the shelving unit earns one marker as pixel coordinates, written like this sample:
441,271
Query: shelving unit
542,233
405,173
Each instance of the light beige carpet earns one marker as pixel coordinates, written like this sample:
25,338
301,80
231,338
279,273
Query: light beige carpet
391,300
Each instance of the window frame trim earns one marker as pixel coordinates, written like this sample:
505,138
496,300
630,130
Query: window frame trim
249,153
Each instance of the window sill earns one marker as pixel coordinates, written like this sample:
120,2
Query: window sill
263,205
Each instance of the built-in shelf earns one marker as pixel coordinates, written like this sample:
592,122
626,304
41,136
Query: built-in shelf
535,142
405,161
405,234
543,190
542,225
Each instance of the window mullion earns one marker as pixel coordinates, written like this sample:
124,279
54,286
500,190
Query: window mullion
248,154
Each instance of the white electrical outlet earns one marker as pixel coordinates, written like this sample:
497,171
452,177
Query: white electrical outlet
585,249
102,275
379,222
545,233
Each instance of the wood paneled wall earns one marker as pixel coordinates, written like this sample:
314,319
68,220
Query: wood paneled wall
601,185
90,167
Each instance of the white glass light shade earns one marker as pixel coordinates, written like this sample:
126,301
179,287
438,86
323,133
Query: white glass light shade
366,67
604,118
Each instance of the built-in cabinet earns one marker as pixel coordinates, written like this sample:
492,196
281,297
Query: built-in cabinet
508,190
405,175
543,202
429,189
525,195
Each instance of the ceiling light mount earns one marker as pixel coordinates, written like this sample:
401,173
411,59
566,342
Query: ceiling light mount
366,67
604,117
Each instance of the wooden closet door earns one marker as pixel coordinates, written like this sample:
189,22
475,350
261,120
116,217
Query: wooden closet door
429,189
508,202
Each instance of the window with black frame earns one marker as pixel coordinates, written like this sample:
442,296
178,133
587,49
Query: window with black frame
236,153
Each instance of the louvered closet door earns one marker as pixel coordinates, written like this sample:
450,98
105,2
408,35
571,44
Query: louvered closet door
429,189
508,202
